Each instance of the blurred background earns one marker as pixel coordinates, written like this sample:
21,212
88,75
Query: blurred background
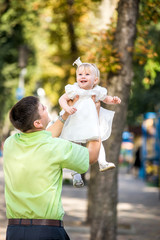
39,41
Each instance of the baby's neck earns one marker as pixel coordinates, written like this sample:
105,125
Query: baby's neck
88,88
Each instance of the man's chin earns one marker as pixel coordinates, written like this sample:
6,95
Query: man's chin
49,123
49,119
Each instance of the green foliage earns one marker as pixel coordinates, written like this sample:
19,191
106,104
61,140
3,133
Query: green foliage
146,53
62,26
102,52
52,32
144,92
8,56
146,59
151,69
14,18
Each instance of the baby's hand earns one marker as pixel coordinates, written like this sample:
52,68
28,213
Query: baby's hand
116,100
70,110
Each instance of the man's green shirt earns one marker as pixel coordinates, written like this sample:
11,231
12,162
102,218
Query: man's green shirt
33,164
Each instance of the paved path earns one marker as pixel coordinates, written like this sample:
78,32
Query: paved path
138,210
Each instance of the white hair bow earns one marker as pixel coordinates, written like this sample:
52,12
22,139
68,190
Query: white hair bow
77,62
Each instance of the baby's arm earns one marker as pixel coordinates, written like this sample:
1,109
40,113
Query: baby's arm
63,103
112,100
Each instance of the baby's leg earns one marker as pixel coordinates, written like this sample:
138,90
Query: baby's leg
103,164
77,180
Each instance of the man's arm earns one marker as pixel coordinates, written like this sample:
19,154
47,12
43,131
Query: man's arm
77,157
56,128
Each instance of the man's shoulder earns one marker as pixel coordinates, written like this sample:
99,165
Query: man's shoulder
10,142
11,138
59,141
67,146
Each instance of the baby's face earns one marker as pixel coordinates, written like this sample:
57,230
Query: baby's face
86,78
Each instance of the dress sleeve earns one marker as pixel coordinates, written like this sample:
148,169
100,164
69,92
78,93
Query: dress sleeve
101,93
70,91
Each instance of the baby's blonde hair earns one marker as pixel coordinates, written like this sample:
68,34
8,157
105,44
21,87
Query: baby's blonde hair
92,67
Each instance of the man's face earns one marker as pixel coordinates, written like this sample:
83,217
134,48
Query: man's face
44,116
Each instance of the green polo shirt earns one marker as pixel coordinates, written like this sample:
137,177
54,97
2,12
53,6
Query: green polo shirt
33,164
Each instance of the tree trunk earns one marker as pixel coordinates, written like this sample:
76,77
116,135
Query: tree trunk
103,186
71,30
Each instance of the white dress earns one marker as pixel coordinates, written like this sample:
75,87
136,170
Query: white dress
84,124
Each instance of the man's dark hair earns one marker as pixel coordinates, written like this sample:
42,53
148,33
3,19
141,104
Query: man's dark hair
24,113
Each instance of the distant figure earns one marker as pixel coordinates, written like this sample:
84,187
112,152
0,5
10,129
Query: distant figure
137,163
1,149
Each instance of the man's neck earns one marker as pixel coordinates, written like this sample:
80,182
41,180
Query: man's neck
34,130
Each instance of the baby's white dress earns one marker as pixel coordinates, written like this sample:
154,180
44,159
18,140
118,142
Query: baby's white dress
84,124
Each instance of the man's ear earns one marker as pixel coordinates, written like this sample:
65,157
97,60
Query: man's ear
38,124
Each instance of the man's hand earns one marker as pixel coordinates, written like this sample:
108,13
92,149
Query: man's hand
98,104
72,102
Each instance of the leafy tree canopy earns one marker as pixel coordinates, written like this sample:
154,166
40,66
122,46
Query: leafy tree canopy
146,59
55,33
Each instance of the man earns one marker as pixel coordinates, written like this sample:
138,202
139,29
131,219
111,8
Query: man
33,163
